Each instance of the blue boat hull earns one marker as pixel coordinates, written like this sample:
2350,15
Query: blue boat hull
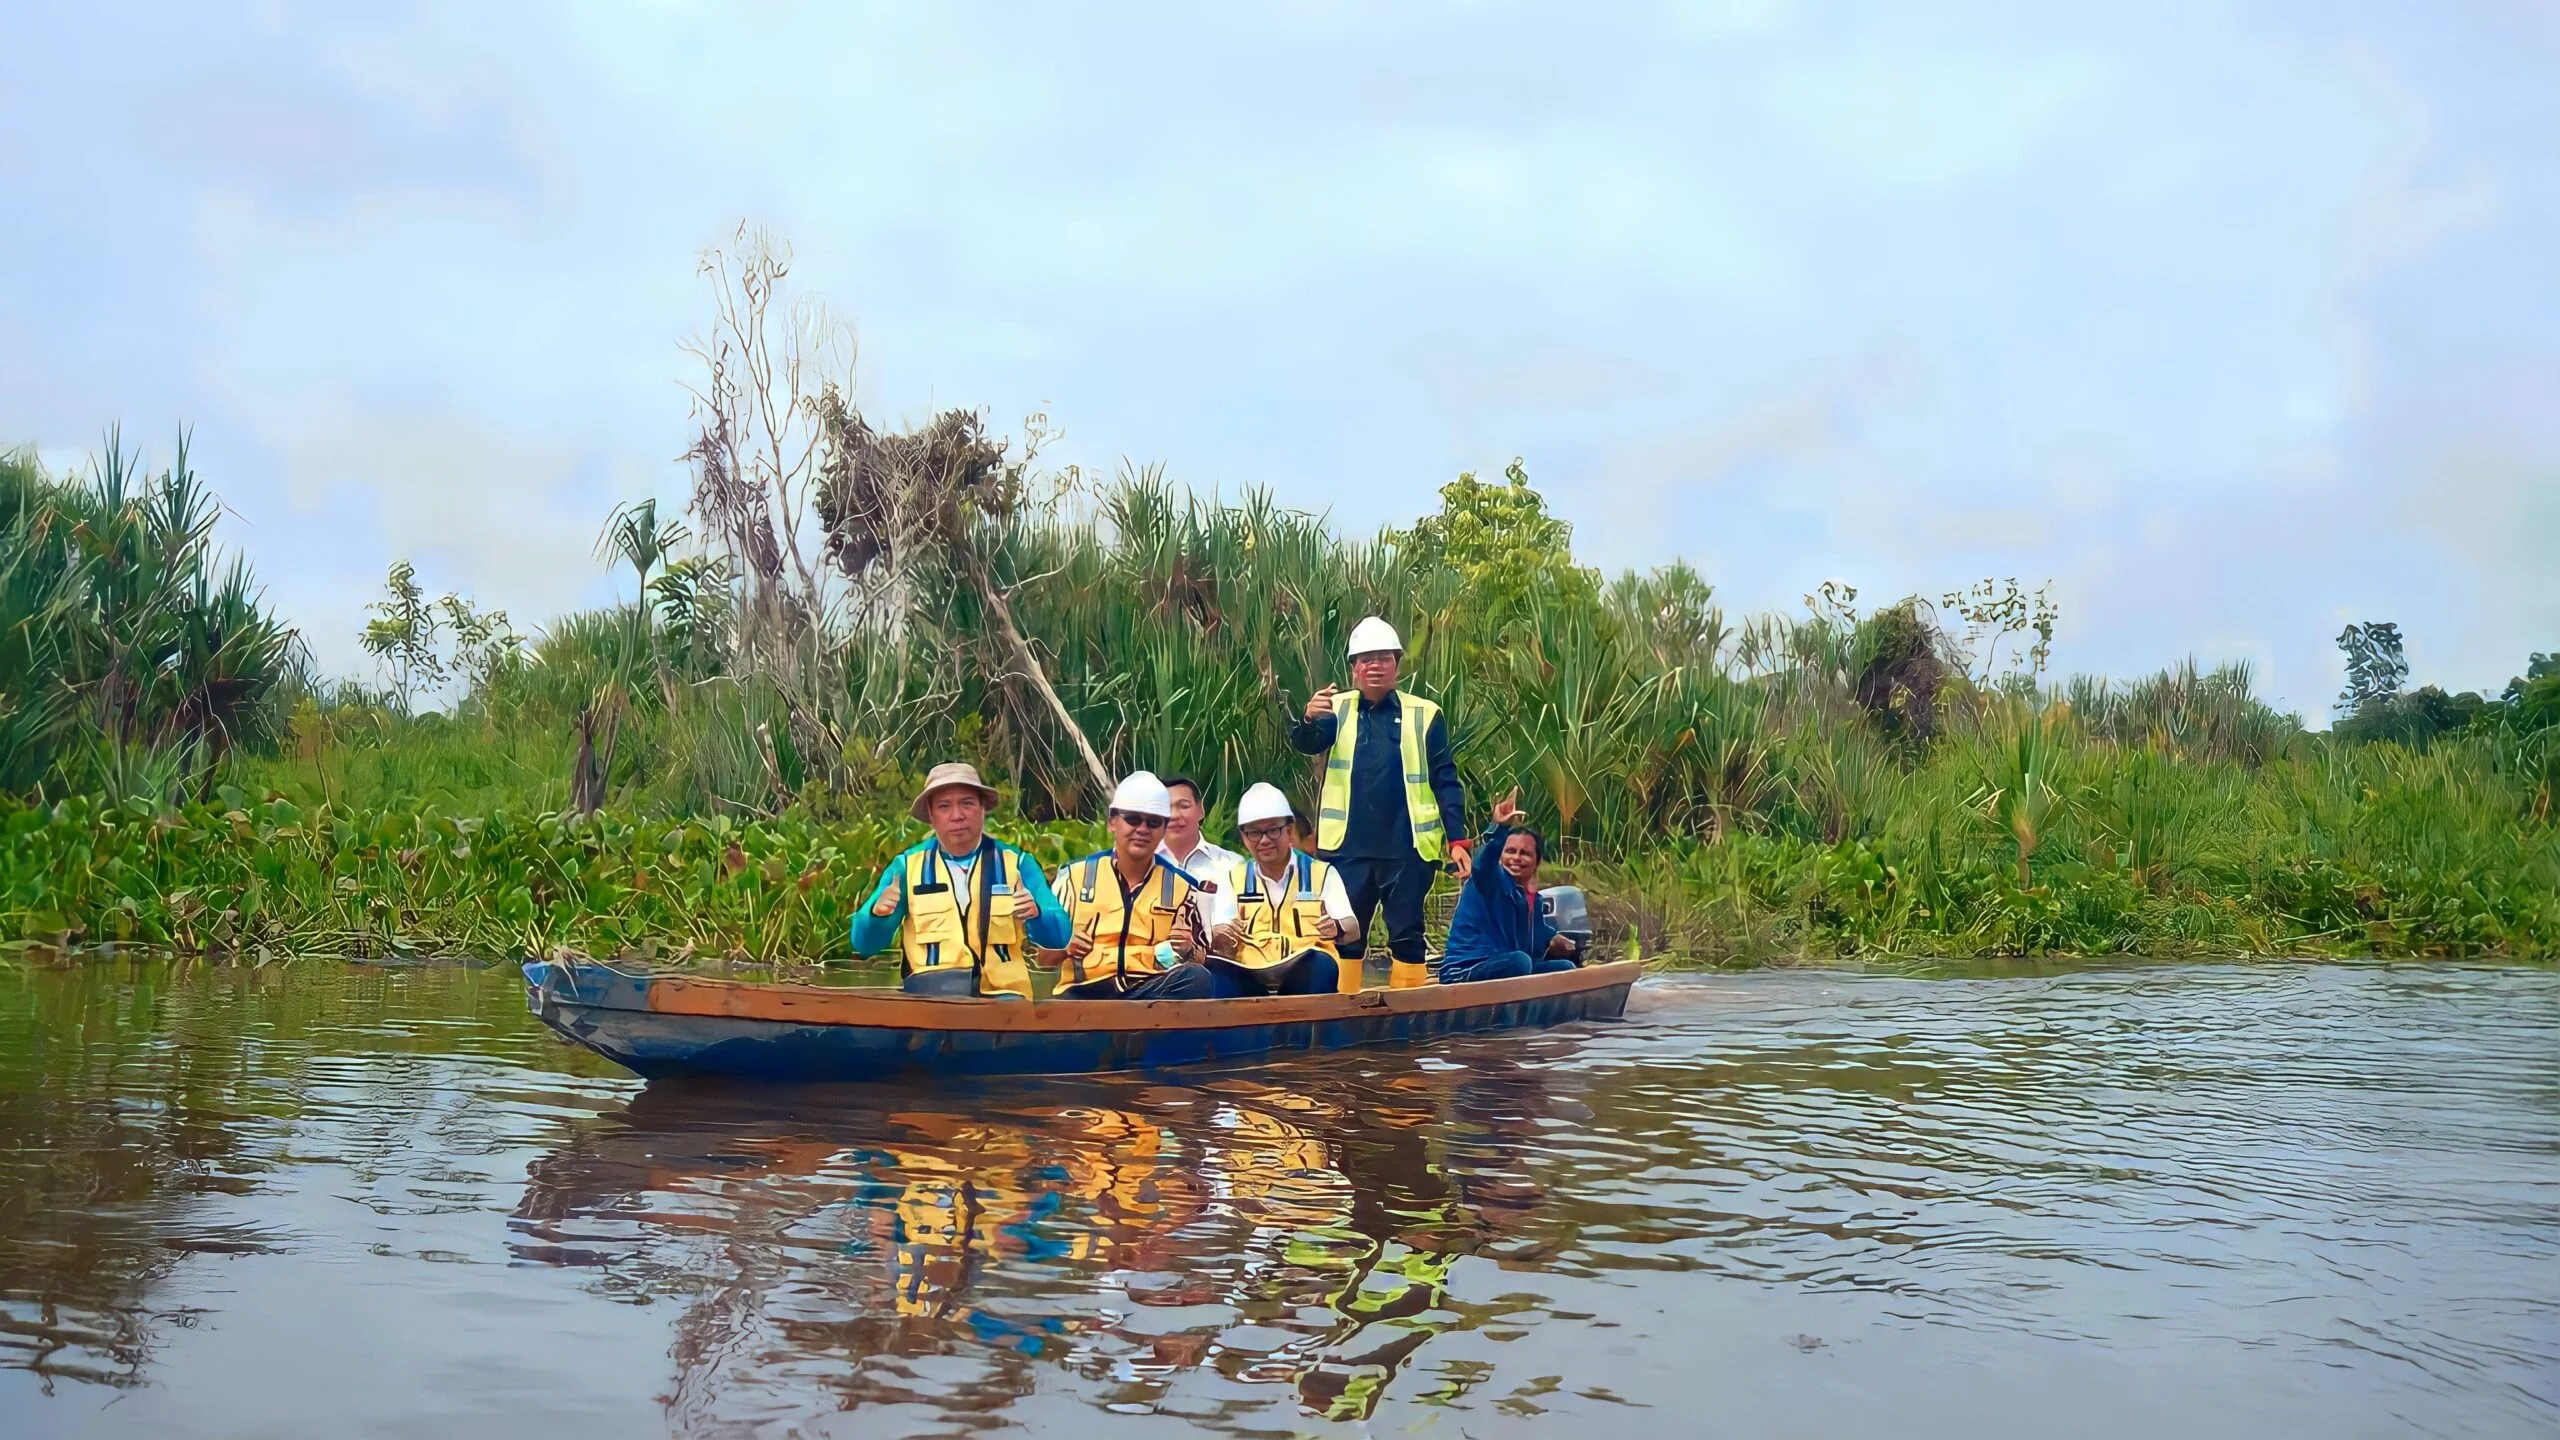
658,1026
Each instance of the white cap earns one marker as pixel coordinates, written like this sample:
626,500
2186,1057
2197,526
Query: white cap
1143,794
1372,635
1263,802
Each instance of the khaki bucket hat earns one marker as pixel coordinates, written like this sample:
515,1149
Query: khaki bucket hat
944,776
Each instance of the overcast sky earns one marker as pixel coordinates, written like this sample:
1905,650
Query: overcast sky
2237,322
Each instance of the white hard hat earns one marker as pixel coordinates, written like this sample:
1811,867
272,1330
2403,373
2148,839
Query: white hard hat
1143,794
1372,635
1263,802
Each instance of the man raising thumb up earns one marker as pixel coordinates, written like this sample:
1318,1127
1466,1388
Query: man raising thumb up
1392,807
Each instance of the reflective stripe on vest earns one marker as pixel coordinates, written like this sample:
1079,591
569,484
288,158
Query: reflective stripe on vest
1124,936
940,936
1413,723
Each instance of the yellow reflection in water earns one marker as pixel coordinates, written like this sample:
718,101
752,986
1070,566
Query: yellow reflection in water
1284,1236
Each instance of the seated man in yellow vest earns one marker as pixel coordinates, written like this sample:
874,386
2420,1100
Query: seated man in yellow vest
1392,803
1279,916
1134,928
970,906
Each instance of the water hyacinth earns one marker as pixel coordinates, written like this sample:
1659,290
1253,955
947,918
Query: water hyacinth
243,877
2402,870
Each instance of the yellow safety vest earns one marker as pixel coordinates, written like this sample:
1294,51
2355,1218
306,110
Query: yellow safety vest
1276,924
1414,717
988,939
1125,931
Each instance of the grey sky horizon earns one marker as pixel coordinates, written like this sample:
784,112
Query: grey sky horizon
2236,322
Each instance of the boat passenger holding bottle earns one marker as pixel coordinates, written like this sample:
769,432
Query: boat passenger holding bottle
1133,922
1279,916
969,908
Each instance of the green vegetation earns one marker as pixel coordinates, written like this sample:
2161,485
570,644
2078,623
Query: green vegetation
131,659
269,877
722,763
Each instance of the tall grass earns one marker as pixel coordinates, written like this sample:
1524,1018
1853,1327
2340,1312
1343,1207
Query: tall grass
1774,787
1734,791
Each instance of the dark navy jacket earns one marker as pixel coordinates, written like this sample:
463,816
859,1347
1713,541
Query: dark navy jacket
1378,827
1495,916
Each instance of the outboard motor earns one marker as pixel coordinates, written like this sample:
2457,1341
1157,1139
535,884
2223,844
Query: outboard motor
1564,908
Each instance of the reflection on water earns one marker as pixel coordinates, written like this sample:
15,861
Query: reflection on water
2203,1199
1288,1232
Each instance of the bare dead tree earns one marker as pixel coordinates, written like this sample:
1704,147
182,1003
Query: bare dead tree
898,508
764,359
837,534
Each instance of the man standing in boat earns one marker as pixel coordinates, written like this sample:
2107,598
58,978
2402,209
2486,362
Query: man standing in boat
1277,920
1392,803
1134,926
969,906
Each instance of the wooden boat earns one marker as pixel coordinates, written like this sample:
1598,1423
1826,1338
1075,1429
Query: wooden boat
685,1025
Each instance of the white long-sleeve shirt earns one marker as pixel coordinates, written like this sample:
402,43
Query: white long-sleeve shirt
1206,862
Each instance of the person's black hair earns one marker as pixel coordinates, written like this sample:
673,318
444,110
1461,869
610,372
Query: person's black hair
1537,842
1186,782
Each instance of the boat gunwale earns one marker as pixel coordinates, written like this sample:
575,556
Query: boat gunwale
685,995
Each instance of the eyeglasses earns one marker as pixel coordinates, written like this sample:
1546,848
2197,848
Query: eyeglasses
1136,821
1276,830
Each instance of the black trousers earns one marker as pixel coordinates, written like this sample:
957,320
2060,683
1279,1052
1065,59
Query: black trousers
1309,972
1182,982
1395,886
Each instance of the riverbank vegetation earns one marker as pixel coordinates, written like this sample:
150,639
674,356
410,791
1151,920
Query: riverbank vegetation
721,764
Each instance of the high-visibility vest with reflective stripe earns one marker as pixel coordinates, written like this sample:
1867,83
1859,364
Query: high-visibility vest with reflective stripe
1414,716
1276,920
1125,936
940,938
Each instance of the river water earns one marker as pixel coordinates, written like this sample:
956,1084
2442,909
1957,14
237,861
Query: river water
2108,1200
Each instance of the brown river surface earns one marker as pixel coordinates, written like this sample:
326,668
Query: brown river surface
326,1200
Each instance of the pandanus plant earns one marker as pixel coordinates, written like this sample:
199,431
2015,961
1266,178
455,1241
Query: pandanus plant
122,633
2021,792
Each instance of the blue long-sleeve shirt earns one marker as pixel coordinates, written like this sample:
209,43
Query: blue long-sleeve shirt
1048,929
1379,827
1495,916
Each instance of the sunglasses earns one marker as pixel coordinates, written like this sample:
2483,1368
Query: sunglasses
1138,822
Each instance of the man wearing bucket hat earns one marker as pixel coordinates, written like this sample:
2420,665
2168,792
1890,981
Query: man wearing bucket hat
1133,925
1279,916
1392,803
970,907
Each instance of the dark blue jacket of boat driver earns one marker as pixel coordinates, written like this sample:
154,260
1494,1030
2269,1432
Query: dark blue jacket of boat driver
1495,916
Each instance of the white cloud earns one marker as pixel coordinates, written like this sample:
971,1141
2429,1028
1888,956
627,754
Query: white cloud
2191,309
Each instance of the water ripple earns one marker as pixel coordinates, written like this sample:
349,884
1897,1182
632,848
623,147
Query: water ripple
2208,1199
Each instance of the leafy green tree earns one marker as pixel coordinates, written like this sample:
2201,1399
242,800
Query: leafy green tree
1505,548
402,634
1994,611
2531,701
2376,667
485,642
